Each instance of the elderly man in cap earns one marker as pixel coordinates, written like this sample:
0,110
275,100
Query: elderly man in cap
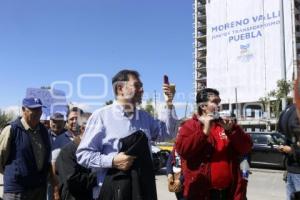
25,154
57,125
73,129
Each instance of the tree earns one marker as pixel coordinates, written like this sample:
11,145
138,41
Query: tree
283,88
149,107
4,119
264,101
274,97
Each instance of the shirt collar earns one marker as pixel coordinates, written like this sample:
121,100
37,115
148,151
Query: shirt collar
27,127
119,108
69,134
53,134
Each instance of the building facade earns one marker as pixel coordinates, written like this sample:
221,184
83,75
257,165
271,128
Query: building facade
252,115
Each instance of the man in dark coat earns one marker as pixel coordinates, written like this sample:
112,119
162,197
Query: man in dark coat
75,181
25,154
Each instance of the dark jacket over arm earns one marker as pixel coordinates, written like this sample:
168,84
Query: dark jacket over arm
75,181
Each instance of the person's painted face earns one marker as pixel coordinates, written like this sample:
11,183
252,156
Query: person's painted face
132,91
32,116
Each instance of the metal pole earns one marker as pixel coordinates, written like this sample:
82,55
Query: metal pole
282,34
283,60
186,107
195,48
295,72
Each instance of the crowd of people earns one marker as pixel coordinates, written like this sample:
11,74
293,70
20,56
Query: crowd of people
108,157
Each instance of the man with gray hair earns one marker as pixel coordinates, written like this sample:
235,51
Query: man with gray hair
25,154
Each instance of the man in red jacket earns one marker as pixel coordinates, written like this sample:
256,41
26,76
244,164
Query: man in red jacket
210,148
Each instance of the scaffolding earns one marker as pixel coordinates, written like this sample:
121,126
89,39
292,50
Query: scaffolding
199,45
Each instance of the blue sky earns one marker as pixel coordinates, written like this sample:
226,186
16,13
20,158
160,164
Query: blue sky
43,41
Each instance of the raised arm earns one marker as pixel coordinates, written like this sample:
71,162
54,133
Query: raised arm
191,140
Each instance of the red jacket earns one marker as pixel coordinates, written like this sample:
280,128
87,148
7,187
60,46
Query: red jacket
196,149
